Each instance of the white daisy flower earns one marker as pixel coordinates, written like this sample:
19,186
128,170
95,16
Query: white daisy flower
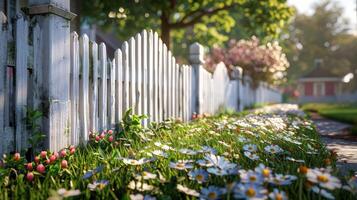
140,186
263,170
181,165
187,191
212,192
68,193
141,197
322,192
280,179
324,179
220,161
250,147
188,152
207,149
145,175
251,177
273,149
250,192
159,153
251,155
278,195
142,161
199,175
204,163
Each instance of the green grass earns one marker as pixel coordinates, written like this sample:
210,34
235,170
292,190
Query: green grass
341,112
225,133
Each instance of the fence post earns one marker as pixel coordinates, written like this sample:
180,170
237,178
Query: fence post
197,61
55,60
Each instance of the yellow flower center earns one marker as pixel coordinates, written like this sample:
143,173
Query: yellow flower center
199,177
250,192
252,178
132,162
180,165
101,186
212,195
279,197
145,173
266,172
322,178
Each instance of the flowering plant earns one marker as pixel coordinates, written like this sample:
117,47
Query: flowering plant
262,62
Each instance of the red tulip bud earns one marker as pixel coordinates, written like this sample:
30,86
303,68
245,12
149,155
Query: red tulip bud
37,159
29,166
17,156
43,154
102,135
64,164
111,138
30,176
52,159
48,161
63,153
110,132
41,168
72,151
97,138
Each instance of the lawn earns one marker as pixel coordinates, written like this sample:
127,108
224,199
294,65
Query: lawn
341,112
256,156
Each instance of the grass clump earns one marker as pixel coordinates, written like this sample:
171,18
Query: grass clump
220,157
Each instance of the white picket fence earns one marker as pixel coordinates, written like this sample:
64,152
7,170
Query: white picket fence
143,75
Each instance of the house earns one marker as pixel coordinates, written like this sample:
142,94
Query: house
320,85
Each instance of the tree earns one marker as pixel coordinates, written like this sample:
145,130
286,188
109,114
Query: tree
323,35
209,21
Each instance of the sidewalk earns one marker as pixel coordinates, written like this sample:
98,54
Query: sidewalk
337,138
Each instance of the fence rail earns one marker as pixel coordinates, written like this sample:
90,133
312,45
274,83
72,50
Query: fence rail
143,75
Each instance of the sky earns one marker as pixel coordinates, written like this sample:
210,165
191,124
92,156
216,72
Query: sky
349,6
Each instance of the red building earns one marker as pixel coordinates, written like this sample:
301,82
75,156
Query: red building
319,85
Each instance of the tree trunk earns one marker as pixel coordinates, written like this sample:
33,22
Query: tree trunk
165,29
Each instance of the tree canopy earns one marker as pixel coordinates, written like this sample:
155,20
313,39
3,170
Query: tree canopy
182,21
323,35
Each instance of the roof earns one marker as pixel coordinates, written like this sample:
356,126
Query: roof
320,72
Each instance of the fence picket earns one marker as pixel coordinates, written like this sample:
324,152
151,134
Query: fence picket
164,82
173,87
118,86
177,91
102,93
3,91
160,81
150,80
74,88
132,74
111,94
93,92
84,88
138,75
21,82
156,50
144,78
126,78
169,85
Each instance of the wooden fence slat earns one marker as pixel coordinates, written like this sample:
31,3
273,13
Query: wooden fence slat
3,61
138,75
111,94
160,81
164,82
118,86
132,74
84,88
169,85
126,78
93,92
181,91
150,80
102,93
21,82
74,88
173,87
156,50
145,74
177,91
